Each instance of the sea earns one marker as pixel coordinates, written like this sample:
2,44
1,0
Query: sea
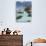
24,18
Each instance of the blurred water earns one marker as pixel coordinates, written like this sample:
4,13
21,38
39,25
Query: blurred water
39,44
24,18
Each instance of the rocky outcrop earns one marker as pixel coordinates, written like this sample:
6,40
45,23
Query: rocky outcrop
39,40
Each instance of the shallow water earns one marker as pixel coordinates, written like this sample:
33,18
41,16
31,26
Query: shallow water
24,17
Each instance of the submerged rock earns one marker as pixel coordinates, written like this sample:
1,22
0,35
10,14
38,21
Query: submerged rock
19,17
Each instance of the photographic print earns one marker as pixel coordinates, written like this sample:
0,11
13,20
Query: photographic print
23,11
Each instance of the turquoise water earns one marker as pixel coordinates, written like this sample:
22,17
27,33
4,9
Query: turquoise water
24,17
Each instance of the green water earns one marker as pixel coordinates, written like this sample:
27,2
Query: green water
23,17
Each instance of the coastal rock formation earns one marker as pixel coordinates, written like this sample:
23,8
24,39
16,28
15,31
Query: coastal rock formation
39,40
